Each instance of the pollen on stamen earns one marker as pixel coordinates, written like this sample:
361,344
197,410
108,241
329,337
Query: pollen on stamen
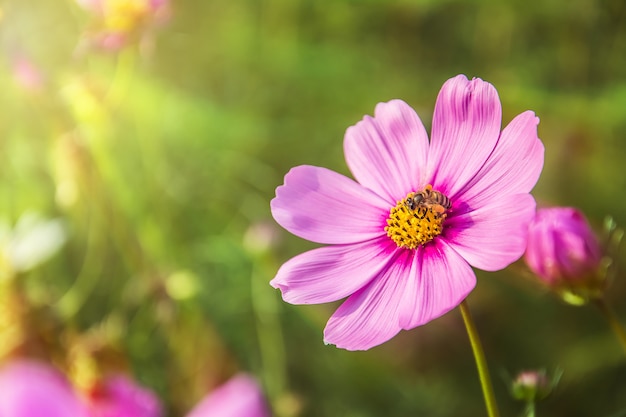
410,228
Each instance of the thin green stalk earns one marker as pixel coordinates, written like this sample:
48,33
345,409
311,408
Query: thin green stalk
269,331
481,362
613,320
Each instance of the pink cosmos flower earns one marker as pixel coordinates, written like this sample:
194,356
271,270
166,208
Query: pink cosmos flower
403,236
241,396
34,389
120,396
562,247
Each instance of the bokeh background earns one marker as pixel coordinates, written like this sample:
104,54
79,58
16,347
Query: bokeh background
136,175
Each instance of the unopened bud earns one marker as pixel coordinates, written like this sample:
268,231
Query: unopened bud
533,385
565,254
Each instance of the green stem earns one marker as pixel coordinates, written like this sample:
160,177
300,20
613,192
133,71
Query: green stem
481,362
613,320
530,409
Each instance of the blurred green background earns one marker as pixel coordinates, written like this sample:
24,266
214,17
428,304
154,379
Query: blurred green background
160,158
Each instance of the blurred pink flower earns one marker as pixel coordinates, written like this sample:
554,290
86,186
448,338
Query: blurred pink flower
241,396
27,75
119,396
111,41
120,21
404,236
116,8
261,237
34,389
562,246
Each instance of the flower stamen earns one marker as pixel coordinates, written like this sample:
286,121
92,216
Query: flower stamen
417,219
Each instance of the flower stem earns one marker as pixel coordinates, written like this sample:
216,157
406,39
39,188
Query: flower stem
613,320
481,362
530,409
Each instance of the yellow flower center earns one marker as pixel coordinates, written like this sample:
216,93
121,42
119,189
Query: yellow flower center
417,219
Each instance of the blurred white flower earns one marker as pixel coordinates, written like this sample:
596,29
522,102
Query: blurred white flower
32,241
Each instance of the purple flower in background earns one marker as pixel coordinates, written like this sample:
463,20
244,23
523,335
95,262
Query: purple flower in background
404,236
565,254
241,396
34,389
119,396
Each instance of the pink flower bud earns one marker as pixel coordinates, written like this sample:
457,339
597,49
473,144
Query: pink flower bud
564,252
534,385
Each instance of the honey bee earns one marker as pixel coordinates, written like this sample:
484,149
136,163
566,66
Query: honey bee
430,199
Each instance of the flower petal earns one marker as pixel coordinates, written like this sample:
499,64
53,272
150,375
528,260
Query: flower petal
440,282
417,287
370,316
494,235
323,206
333,272
387,153
466,127
513,167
